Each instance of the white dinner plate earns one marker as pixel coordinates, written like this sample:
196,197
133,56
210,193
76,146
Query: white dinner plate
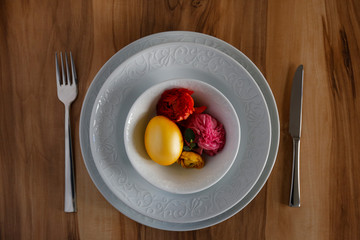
175,61
93,91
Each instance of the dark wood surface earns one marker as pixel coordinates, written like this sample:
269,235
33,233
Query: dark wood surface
277,35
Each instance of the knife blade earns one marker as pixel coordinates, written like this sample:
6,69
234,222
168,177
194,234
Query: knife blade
295,132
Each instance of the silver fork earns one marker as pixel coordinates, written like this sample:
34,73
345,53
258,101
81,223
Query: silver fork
67,92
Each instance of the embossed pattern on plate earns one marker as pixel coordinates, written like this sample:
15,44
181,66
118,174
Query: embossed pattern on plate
120,57
163,62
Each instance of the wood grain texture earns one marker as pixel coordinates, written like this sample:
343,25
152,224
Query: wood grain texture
277,35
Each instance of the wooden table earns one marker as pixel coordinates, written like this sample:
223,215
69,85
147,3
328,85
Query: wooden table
276,35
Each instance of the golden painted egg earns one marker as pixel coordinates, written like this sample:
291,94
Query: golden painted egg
163,140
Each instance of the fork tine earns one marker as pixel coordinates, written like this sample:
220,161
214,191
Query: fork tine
73,71
67,70
64,81
58,82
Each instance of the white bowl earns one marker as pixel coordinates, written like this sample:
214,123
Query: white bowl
174,178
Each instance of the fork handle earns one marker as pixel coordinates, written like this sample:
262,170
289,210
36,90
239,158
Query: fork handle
295,181
70,195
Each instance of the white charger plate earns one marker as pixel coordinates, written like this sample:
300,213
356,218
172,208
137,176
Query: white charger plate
175,61
115,61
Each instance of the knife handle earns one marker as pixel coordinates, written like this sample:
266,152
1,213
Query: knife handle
295,180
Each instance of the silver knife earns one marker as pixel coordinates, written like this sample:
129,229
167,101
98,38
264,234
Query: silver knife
295,132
